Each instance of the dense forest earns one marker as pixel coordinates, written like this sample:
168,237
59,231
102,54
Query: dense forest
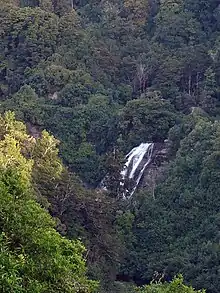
102,77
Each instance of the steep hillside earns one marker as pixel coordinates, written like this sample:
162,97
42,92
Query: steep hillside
103,77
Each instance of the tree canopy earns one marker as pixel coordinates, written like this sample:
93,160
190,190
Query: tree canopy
102,77
34,256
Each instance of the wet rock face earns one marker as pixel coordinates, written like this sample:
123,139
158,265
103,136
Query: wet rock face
157,169
144,167
137,161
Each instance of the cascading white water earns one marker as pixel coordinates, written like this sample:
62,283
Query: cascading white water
137,161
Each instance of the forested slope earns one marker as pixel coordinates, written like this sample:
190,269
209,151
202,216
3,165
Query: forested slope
102,77
75,71
34,257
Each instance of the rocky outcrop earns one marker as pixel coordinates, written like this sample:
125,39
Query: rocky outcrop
33,130
145,166
157,169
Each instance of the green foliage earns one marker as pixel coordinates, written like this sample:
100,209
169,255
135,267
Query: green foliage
102,77
89,215
176,286
34,257
146,120
119,50
177,231
29,36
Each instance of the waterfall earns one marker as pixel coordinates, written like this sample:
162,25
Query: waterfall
137,161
